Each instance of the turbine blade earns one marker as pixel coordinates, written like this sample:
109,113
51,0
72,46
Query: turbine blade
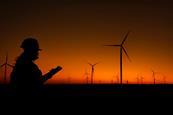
152,71
125,37
90,64
113,45
126,54
10,65
3,65
96,63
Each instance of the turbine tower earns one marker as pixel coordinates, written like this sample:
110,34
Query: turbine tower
118,79
137,78
92,71
86,77
122,49
154,77
127,81
5,66
142,78
164,79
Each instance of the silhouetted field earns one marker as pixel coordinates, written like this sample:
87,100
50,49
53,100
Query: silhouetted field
94,90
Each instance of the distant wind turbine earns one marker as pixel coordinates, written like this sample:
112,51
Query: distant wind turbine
86,76
137,78
92,71
154,76
69,79
118,79
5,66
122,49
164,79
112,80
127,81
141,78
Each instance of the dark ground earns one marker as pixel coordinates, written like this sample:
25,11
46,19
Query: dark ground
94,90
99,98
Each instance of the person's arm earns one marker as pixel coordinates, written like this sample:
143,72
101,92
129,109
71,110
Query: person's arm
51,73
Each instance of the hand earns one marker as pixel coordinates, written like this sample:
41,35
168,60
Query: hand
51,73
58,68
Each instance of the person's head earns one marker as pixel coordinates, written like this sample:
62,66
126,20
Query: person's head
31,48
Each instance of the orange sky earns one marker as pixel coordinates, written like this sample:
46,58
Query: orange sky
72,34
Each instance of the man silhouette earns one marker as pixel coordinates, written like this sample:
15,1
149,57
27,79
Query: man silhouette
26,75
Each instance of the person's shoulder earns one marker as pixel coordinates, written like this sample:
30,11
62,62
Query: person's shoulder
34,66
21,62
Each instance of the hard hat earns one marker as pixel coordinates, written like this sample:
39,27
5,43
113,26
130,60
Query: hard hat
30,44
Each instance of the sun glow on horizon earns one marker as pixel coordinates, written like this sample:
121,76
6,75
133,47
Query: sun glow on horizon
72,34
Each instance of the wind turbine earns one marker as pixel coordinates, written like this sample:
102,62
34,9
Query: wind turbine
69,79
137,78
154,77
5,66
113,79
122,49
164,79
127,82
118,80
92,71
142,78
86,76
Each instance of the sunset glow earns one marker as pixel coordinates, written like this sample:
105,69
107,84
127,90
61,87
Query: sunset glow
72,34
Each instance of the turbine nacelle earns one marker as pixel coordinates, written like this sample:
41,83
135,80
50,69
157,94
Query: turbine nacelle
93,65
